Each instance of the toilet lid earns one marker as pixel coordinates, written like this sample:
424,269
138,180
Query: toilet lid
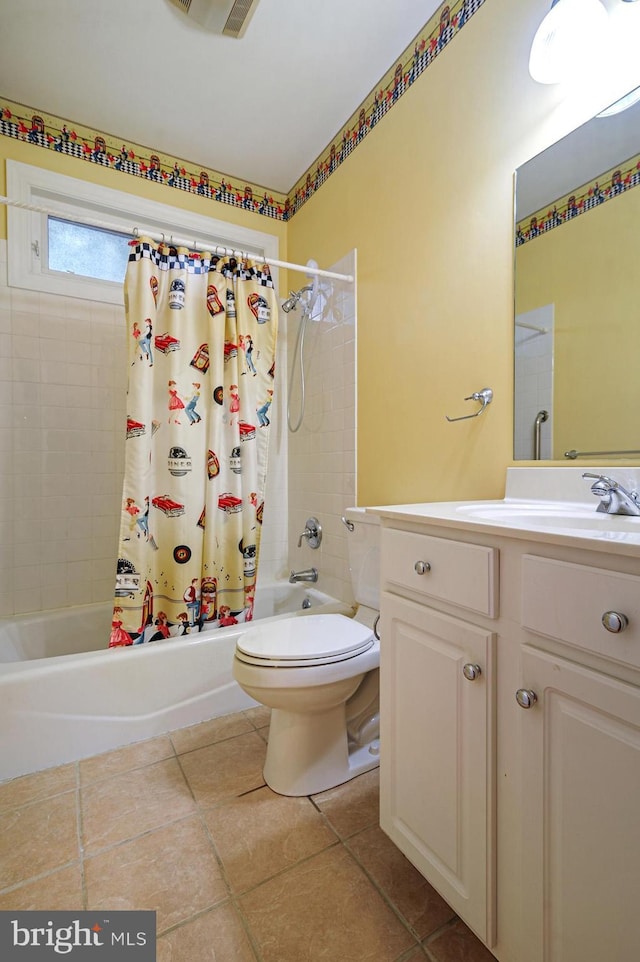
304,641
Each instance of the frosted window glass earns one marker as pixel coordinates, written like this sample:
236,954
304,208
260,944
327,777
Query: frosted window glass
89,251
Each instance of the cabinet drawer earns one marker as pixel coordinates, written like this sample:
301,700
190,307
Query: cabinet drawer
567,602
461,574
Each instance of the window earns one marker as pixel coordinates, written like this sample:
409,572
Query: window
48,252
89,251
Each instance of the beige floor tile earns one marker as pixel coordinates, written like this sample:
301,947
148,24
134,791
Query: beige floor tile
59,892
218,936
352,806
260,716
324,909
29,788
226,769
125,759
262,834
38,838
119,808
416,900
208,732
415,955
458,944
172,871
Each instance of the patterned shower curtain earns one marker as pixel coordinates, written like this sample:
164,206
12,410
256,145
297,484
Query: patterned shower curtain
202,338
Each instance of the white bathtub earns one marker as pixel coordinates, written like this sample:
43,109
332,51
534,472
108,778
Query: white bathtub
60,702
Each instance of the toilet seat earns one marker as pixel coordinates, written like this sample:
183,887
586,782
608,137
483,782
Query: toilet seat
304,641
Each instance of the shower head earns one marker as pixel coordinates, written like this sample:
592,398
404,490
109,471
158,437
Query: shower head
294,296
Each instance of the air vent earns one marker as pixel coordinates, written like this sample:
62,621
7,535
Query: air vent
228,17
239,17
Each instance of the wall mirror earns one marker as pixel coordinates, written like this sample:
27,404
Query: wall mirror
577,295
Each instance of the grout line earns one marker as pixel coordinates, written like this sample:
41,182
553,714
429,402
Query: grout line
381,892
38,878
79,830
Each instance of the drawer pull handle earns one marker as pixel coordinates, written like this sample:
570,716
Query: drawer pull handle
613,621
471,672
526,698
421,567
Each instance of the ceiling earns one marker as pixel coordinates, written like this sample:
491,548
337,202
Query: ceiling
260,108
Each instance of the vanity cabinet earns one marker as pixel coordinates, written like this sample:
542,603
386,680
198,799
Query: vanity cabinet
581,827
510,733
581,741
437,719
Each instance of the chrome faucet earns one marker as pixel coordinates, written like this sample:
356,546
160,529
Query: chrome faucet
614,499
309,574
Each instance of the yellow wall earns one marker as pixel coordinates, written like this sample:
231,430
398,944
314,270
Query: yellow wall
427,201
588,269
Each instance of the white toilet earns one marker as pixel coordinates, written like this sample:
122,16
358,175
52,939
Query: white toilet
320,676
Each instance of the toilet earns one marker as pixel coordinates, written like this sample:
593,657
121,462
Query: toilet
320,676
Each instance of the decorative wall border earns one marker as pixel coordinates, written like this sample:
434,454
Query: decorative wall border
587,197
45,130
54,133
434,37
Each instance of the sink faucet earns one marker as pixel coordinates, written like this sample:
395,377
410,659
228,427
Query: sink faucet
310,574
614,498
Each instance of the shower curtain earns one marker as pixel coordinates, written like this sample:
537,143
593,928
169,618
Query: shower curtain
202,337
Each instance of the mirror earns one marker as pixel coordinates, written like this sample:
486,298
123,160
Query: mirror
577,295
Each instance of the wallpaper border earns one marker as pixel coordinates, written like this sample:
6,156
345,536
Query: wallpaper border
28,124
581,200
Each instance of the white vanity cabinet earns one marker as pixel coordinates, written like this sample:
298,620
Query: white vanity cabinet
510,731
437,717
580,819
581,762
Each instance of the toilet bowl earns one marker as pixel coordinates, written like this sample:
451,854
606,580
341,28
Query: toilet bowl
319,675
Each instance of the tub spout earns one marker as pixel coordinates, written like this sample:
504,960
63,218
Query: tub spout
309,574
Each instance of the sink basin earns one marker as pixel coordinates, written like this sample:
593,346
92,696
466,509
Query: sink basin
566,515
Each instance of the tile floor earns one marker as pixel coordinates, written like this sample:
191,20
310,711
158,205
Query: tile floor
184,824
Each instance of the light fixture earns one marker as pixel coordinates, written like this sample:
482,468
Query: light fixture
567,38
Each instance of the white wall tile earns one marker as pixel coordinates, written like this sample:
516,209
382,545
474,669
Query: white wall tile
322,451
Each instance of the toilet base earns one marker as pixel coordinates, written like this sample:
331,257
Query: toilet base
309,752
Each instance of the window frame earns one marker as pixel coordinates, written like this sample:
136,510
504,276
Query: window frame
84,202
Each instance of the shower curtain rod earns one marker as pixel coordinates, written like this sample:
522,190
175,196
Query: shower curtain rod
191,244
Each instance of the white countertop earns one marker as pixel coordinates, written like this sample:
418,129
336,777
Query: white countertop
553,505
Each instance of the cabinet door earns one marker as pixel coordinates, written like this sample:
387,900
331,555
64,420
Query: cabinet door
581,827
437,759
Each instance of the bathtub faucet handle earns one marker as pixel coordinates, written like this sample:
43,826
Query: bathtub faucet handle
312,532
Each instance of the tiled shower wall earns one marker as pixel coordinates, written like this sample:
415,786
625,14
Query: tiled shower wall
322,453
62,409
63,375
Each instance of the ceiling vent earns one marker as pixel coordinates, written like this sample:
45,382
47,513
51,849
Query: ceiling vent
228,17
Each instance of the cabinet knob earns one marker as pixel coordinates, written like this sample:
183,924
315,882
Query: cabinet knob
526,698
471,672
614,621
421,567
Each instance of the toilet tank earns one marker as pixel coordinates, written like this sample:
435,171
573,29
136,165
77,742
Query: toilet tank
364,556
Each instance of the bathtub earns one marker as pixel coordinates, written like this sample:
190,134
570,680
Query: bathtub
61,701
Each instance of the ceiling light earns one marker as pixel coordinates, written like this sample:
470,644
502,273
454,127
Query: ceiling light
568,37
